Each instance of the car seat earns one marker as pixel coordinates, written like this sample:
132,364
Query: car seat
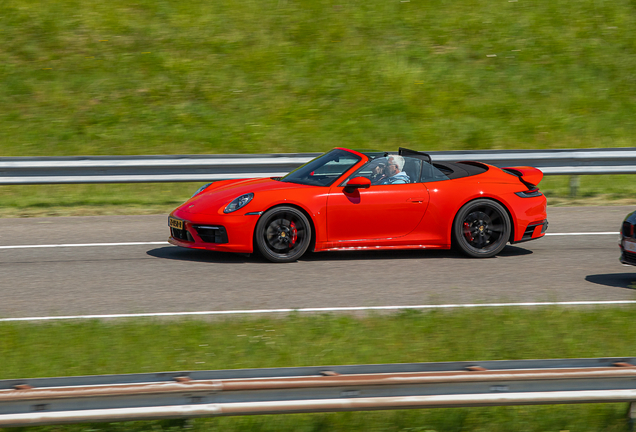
412,168
427,172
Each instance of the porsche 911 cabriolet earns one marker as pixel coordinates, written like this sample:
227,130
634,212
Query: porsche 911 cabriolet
356,200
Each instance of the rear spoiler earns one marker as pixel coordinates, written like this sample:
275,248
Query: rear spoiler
530,176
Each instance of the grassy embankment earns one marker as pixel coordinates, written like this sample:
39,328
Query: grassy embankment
174,77
103,347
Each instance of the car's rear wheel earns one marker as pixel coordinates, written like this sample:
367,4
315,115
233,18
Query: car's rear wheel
482,228
283,234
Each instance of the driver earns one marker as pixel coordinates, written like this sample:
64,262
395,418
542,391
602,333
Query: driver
377,174
393,171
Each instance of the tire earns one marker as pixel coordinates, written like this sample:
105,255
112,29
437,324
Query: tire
481,228
283,234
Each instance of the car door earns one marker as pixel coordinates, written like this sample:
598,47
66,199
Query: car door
379,212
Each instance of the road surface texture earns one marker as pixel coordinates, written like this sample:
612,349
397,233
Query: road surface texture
163,278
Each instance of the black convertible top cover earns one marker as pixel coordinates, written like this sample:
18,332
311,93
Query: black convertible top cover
455,170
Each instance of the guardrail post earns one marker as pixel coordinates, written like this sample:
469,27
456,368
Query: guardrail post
631,414
575,182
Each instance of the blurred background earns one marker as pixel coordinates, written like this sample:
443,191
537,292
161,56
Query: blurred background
114,77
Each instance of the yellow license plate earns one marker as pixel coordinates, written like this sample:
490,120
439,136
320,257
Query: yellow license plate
175,223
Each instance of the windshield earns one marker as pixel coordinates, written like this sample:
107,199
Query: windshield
324,170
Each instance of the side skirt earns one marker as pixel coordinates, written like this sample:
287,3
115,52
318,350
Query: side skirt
331,247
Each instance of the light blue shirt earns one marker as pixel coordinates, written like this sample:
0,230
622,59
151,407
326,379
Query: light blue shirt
399,178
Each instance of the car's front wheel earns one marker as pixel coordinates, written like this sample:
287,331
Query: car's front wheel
283,234
481,228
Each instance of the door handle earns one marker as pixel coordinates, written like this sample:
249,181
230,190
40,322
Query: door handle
416,200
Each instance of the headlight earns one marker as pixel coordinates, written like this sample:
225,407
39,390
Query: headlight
238,202
201,189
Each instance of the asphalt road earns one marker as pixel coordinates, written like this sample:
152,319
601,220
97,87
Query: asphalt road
164,278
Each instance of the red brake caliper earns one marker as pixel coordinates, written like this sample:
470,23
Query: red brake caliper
294,234
467,233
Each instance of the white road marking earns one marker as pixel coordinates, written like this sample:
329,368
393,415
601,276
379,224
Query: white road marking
83,245
165,242
322,310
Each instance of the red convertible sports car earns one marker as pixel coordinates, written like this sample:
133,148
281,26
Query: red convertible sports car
354,200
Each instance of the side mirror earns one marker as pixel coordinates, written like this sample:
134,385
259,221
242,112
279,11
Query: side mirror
357,183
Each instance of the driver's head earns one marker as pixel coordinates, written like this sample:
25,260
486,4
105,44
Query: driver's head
379,168
394,165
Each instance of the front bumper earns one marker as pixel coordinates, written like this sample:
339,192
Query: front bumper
231,233
628,258
627,241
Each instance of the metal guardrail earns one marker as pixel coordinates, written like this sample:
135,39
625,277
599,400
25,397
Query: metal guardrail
198,168
111,398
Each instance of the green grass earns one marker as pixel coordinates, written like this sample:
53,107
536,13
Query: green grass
92,200
592,190
107,347
261,76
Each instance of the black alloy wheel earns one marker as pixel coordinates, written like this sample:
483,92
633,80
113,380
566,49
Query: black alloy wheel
482,228
283,234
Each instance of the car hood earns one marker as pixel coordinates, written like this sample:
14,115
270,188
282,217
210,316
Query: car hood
222,193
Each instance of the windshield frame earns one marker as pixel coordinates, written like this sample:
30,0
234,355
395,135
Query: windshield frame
304,173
